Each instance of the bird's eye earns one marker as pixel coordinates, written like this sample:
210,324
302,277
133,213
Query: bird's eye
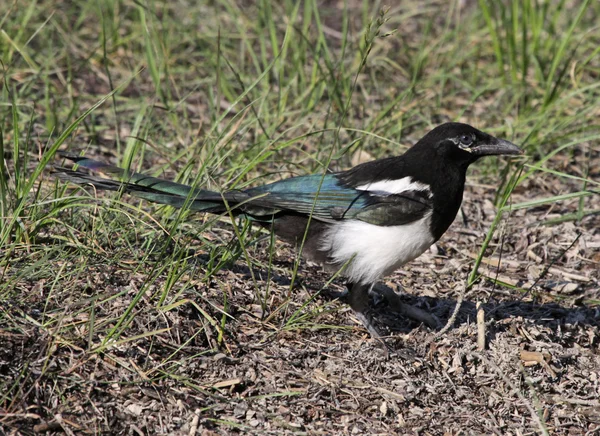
466,140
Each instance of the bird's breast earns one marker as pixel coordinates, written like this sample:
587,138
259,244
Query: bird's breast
370,251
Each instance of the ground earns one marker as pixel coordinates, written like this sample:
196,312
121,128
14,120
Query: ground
121,317
281,374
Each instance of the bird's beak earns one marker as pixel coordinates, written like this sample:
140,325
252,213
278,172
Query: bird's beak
496,147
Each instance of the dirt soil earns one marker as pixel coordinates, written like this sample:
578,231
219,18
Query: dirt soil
321,373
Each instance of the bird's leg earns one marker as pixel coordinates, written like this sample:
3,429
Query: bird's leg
395,304
359,302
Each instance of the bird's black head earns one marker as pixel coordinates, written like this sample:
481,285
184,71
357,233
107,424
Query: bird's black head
464,144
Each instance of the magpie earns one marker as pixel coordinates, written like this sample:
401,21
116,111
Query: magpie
367,221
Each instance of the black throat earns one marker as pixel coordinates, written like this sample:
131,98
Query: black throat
446,177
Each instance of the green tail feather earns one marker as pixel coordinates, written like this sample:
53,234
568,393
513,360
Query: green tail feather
317,195
144,186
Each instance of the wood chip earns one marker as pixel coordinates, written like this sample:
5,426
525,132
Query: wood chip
227,383
569,275
391,394
532,358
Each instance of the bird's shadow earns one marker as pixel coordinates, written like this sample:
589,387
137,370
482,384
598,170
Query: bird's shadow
550,314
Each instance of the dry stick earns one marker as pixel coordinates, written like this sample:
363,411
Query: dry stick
577,401
452,318
194,423
480,327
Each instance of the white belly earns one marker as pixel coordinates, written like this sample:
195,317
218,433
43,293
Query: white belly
375,251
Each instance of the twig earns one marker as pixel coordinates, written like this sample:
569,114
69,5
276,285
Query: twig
578,401
452,319
194,423
481,345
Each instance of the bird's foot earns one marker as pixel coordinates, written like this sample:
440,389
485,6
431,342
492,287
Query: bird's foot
395,304
340,295
367,321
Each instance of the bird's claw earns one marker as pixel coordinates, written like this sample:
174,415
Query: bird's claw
396,305
367,322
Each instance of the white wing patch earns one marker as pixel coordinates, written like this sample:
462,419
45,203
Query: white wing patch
374,251
390,187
